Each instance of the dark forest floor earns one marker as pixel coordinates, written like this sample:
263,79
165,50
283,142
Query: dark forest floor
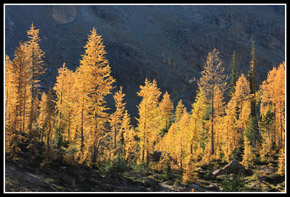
22,177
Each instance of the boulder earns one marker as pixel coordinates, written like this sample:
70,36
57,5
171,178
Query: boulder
67,180
233,167
150,182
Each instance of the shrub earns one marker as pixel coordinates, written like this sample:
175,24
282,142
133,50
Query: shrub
234,184
116,165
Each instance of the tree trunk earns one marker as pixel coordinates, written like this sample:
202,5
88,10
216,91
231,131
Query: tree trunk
68,131
181,157
24,102
144,141
49,119
281,127
147,151
82,131
115,138
212,116
191,148
147,159
32,101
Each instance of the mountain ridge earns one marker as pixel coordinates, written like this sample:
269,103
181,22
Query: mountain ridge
163,42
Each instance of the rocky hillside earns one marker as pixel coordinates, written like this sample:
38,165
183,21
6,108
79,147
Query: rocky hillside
163,42
22,177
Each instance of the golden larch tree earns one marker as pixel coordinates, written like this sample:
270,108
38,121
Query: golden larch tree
95,83
179,110
42,117
36,68
197,122
10,102
219,108
273,102
12,137
166,108
45,121
64,91
249,156
212,77
21,74
183,138
242,106
130,149
148,121
116,120
237,117
168,145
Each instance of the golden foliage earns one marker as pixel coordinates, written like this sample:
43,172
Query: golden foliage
249,156
79,114
179,110
116,119
237,117
281,161
166,108
212,79
148,121
273,100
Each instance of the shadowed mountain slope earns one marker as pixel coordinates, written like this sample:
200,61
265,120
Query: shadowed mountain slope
166,43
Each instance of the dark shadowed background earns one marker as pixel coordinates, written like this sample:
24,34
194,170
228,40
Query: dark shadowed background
168,43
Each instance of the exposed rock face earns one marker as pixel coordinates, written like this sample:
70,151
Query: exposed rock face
233,167
166,43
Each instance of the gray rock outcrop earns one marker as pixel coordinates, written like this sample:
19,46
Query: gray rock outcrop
233,167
